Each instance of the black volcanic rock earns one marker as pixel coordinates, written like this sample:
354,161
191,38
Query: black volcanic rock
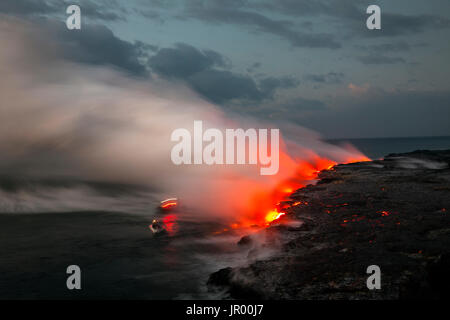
245,241
392,213
221,277
225,278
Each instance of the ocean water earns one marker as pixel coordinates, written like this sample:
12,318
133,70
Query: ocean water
376,148
119,257
49,226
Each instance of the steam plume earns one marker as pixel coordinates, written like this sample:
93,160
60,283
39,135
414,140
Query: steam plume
62,119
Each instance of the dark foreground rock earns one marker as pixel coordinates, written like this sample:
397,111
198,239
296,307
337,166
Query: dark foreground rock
392,213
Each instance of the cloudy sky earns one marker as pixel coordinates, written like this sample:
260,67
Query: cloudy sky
313,63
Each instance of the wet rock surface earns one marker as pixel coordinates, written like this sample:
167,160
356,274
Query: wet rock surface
392,213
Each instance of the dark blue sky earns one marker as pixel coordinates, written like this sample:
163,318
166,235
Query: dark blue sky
309,62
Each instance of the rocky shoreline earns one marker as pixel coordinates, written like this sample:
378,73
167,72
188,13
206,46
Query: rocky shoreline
392,213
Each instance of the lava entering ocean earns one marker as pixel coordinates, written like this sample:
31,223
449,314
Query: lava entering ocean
267,207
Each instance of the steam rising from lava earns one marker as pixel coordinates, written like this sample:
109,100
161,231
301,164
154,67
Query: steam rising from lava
63,119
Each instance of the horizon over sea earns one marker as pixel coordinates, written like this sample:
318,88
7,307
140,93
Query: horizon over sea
376,148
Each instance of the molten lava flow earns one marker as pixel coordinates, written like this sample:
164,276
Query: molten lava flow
306,172
274,215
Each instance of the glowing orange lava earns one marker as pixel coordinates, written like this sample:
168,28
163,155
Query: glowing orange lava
260,200
306,172
274,215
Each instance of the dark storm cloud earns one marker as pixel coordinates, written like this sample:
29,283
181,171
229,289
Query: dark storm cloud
108,11
352,13
97,45
379,59
328,78
399,24
225,86
26,7
238,12
100,10
295,20
184,60
349,9
271,84
206,72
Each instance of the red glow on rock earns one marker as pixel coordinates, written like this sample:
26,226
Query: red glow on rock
385,213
